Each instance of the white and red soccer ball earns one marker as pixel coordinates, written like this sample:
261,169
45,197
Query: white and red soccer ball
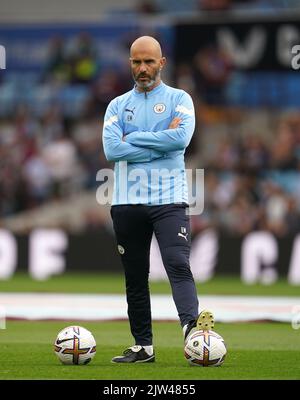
205,349
75,345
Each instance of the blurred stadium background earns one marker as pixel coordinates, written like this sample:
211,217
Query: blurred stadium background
63,66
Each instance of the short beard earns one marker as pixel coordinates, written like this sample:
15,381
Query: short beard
145,86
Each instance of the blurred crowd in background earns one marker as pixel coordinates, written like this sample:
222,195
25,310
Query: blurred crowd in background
251,157
198,6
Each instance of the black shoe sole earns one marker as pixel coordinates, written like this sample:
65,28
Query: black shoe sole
148,360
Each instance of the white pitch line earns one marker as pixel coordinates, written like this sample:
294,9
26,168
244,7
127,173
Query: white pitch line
37,306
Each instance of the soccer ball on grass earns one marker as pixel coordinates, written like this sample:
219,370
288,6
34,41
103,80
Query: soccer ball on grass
205,349
75,345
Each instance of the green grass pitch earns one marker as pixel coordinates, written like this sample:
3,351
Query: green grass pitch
260,351
255,351
114,283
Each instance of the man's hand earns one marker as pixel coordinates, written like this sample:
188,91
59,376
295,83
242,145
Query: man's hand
175,123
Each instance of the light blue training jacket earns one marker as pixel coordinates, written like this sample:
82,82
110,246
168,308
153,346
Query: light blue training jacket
149,162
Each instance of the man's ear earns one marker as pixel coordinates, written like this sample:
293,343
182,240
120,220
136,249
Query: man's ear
163,62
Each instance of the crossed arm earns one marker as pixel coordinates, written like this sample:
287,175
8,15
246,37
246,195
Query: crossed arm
116,148
141,146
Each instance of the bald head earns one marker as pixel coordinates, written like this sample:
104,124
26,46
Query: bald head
146,43
146,62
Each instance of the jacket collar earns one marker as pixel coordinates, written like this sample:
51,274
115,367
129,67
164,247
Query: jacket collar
152,92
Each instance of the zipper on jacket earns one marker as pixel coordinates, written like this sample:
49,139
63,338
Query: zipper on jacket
146,121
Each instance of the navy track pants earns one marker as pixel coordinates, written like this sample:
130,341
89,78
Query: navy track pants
134,226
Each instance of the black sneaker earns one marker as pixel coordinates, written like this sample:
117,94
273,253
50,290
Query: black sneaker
205,321
134,354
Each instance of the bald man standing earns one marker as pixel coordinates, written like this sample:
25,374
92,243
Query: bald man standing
146,132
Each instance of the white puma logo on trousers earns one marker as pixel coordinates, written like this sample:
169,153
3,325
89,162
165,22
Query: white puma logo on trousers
182,235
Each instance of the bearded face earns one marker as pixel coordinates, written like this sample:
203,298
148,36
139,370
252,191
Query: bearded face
146,76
